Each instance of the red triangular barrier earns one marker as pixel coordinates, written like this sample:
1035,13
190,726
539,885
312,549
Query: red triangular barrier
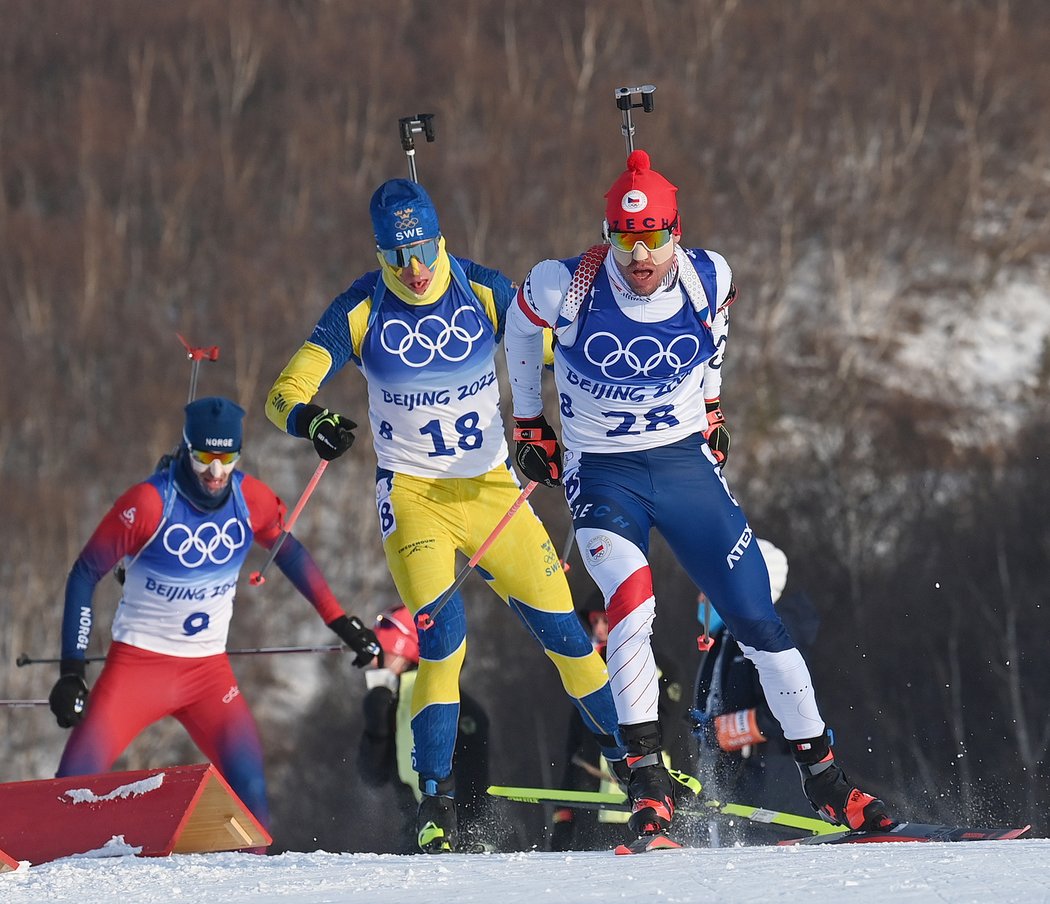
7,862
152,812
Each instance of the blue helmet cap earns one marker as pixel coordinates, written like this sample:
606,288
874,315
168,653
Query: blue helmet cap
402,214
214,425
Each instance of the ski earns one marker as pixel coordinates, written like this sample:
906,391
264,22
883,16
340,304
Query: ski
647,843
617,800
913,831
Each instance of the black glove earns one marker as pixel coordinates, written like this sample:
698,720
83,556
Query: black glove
329,432
357,637
716,434
538,452
68,698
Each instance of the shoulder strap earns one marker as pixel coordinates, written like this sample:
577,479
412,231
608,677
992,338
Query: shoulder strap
377,299
582,279
459,276
587,271
694,287
169,502
240,504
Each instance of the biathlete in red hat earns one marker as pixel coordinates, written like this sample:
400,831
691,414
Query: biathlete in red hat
641,324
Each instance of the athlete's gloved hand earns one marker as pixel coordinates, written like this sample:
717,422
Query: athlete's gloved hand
357,637
68,698
736,730
716,434
742,728
329,432
537,451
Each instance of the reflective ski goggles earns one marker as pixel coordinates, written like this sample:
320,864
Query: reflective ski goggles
204,458
426,252
654,239
656,244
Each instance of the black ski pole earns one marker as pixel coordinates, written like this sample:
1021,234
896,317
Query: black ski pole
626,101
408,126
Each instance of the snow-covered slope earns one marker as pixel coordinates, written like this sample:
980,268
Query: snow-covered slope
1007,871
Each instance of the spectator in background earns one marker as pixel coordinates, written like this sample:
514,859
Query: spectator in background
385,756
744,757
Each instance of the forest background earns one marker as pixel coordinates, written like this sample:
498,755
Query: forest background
875,172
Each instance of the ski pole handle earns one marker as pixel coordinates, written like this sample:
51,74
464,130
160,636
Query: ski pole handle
425,620
257,578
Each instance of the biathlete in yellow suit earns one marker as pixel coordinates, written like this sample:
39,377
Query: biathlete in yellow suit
423,329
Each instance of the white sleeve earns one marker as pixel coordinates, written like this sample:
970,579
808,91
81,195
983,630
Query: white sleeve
723,279
713,365
719,325
535,308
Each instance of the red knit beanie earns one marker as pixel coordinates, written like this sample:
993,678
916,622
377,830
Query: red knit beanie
641,199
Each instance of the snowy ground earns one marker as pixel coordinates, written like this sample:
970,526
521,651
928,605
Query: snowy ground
989,871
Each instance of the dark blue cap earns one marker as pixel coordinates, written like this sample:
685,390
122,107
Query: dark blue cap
402,214
214,425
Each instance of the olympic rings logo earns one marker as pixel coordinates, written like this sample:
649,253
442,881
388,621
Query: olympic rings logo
208,543
642,356
417,347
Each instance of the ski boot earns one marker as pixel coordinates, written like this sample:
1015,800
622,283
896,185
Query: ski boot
436,816
831,793
621,773
651,788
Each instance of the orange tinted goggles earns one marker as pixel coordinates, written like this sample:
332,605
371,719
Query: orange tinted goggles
653,239
206,458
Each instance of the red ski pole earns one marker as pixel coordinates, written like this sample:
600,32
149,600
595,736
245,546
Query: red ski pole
425,620
257,577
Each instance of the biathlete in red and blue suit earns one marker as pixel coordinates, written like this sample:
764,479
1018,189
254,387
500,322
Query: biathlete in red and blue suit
182,535
640,324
